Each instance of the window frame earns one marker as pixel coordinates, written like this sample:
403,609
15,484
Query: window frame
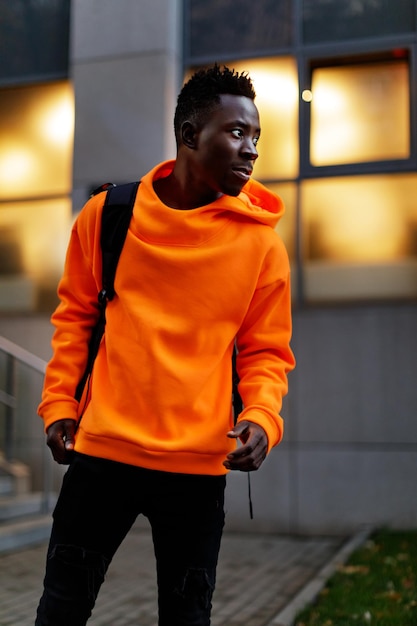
314,59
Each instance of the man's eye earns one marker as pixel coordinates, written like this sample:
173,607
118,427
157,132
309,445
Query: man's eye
255,141
237,132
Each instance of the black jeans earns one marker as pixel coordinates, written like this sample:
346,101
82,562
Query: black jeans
98,503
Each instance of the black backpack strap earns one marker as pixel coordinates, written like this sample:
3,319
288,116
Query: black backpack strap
116,216
117,213
236,399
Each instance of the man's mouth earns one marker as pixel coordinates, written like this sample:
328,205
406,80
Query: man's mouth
243,172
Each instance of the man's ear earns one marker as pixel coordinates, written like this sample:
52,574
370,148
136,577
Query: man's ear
189,135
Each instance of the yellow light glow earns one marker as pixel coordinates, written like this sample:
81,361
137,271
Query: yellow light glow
360,219
15,166
360,113
275,88
36,131
330,99
58,120
306,95
43,228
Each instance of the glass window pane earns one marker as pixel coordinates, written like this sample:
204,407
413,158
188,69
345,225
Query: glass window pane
33,241
338,20
225,27
360,237
360,113
286,227
36,138
34,39
276,85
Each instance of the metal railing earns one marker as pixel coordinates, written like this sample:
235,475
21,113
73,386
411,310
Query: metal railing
13,355
22,439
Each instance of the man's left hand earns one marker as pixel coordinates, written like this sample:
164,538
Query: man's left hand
250,455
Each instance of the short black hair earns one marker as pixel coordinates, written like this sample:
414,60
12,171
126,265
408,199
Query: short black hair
201,94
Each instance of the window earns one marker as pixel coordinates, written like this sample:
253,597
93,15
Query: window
287,226
238,25
36,136
360,112
339,149
342,20
34,40
360,237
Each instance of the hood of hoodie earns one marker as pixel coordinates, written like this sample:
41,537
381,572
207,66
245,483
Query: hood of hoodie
158,223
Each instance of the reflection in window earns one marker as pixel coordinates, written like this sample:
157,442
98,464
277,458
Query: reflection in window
360,113
360,237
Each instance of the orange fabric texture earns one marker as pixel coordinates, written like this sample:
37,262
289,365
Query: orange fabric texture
187,283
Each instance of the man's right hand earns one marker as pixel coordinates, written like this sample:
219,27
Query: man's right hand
60,437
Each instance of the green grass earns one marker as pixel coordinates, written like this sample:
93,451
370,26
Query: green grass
377,586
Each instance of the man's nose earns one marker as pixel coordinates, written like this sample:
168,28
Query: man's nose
250,151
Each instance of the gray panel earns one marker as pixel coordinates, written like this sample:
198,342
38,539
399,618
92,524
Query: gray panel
119,131
109,28
343,489
355,375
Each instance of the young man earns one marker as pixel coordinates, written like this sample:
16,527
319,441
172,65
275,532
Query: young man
201,268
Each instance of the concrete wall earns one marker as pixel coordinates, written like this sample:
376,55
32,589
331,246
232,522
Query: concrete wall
126,69
349,455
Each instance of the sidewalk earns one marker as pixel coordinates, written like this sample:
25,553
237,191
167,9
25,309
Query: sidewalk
258,578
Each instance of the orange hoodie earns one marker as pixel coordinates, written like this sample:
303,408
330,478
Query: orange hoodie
187,283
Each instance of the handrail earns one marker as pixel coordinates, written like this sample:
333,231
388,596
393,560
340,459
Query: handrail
22,355
8,397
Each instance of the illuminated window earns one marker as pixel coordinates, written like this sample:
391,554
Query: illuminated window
276,86
360,112
33,240
36,134
36,137
360,237
287,225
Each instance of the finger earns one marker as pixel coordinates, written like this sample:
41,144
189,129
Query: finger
69,438
241,465
241,452
238,431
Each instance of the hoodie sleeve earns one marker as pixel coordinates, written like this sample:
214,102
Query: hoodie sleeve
73,319
264,354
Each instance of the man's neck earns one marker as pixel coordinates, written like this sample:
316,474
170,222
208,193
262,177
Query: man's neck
182,195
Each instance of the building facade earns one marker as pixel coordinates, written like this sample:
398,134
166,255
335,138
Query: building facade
336,90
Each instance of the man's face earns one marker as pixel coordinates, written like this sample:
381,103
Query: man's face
226,146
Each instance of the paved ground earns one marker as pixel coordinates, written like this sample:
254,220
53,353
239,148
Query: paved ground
258,576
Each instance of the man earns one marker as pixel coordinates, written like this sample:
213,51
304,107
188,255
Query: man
201,268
